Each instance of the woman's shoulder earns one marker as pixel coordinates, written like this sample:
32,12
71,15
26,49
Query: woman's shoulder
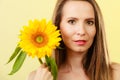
115,66
116,71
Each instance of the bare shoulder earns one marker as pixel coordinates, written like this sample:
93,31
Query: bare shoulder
116,71
115,66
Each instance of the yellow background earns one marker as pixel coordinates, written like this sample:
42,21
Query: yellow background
16,13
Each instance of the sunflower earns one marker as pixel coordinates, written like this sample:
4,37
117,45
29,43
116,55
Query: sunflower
39,38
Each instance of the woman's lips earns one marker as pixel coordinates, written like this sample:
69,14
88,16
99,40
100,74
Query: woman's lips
80,42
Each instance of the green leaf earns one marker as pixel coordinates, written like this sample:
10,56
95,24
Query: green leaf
18,63
47,60
17,50
53,68
52,65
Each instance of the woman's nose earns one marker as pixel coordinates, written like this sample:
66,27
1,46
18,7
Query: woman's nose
80,30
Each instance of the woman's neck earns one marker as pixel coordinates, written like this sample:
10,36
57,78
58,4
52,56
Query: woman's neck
74,60
73,67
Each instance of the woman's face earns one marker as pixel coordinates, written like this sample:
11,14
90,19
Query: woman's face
78,26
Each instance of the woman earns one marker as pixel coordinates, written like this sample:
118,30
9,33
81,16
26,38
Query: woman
84,55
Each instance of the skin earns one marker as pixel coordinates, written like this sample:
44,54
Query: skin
116,71
42,73
78,30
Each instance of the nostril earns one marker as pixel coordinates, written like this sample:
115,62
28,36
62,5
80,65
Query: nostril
80,34
80,31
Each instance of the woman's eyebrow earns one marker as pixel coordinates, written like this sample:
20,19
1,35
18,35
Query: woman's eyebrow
72,18
90,19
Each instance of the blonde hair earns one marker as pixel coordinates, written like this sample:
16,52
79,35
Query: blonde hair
96,61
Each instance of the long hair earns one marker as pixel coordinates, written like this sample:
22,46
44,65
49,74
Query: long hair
96,61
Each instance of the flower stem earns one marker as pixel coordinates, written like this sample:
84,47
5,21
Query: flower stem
41,62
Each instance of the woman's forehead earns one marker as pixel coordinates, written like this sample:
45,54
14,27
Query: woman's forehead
77,9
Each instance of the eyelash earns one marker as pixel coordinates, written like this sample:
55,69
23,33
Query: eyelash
71,22
90,23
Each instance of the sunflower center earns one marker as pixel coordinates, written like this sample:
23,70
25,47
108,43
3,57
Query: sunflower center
39,39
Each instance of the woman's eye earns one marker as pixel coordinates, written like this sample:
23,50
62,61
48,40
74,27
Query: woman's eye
90,23
72,22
